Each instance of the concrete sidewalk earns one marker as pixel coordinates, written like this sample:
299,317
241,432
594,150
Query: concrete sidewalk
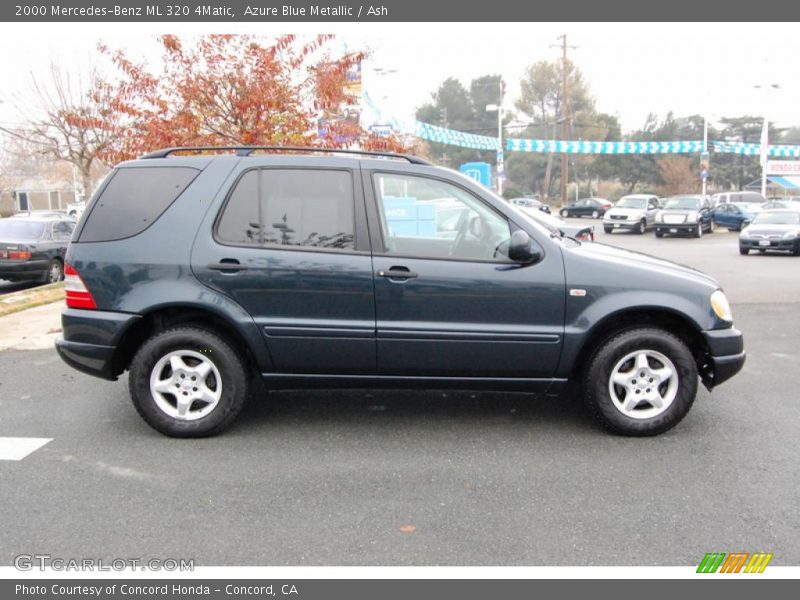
32,329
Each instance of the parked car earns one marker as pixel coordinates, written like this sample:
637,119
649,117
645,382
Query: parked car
75,209
635,212
583,233
32,247
586,207
732,215
772,230
309,271
737,197
530,203
684,215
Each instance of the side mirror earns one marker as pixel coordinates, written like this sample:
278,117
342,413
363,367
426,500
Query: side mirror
745,223
521,250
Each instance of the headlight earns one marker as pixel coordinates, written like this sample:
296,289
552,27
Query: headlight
744,233
791,234
691,218
719,303
659,218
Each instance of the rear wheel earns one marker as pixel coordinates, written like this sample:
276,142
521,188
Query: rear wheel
641,382
54,273
564,213
188,382
595,214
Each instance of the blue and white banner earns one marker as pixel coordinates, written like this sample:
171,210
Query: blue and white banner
588,147
434,133
755,149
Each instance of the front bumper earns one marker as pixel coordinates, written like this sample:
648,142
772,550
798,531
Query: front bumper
667,228
621,224
90,340
726,355
780,244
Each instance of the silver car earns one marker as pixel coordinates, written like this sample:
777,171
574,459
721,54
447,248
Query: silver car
772,230
635,212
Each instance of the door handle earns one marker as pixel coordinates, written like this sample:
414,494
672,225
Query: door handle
230,265
397,273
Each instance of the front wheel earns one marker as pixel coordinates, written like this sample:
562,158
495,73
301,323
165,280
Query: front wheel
698,232
607,229
188,382
642,227
744,251
641,382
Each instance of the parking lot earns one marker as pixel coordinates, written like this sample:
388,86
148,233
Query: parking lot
397,478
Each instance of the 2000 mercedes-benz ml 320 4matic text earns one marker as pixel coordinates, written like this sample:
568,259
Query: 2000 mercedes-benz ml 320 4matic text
204,274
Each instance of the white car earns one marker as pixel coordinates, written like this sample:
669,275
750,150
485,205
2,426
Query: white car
635,212
75,209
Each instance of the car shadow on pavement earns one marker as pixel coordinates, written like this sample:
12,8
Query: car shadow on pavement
356,408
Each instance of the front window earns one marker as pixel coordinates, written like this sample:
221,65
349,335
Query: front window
429,218
682,202
628,202
777,218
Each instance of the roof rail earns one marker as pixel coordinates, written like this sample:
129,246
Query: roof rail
248,150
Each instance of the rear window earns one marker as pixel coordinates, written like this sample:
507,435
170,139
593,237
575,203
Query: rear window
17,229
134,199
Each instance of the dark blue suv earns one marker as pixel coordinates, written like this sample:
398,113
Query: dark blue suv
211,274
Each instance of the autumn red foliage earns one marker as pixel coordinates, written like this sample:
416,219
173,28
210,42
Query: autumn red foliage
235,90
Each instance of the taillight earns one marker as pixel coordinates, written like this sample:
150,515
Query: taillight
19,254
77,294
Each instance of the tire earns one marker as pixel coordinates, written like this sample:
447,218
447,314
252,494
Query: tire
744,251
712,227
187,352
607,229
564,213
54,272
796,249
659,234
595,214
620,358
642,227
699,231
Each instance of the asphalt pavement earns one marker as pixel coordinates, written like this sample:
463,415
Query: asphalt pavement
399,478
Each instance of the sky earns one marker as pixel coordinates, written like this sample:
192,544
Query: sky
632,69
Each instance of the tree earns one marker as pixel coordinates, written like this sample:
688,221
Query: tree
73,120
455,107
239,90
678,175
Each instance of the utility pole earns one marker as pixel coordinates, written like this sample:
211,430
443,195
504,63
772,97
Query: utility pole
564,116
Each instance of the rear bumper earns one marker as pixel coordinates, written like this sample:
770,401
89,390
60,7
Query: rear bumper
22,270
90,339
726,355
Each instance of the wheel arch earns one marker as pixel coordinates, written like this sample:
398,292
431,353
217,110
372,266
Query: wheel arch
635,318
169,316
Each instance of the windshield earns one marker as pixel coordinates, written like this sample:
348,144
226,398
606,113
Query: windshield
777,218
685,202
15,229
630,202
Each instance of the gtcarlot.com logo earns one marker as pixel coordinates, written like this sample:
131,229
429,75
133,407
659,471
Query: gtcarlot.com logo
734,562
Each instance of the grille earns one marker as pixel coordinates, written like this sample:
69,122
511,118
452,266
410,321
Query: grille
674,219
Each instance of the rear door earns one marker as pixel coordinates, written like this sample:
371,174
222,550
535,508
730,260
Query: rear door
290,245
449,302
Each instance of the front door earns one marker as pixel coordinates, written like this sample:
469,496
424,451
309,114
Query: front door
449,302
290,246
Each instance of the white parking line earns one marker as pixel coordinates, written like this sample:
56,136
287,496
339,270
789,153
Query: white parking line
17,448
